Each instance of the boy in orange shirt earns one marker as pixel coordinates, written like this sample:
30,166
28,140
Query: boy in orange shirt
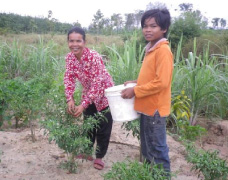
153,90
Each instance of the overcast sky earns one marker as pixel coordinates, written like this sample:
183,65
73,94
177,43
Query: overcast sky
83,10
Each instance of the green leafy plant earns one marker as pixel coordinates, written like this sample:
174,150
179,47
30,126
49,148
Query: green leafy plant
208,163
134,170
133,127
3,99
190,132
68,132
26,99
180,118
180,108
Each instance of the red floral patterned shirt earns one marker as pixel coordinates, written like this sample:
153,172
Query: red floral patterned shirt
92,74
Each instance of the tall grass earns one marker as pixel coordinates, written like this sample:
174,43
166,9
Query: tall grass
27,61
205,81
11,59
40,58
125,66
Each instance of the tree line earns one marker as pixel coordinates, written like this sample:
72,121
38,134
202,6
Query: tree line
14,23
115,24
190,23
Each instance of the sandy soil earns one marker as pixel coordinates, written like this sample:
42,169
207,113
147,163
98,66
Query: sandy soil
21,159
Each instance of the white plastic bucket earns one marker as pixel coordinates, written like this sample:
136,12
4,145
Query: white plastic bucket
121,109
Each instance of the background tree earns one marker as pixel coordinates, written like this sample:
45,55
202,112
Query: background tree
190,24
117,22
33,25
50,14
130,21
215,22
97,22
223,23
186,7
107,26
157,5
138,16
51,21
77,24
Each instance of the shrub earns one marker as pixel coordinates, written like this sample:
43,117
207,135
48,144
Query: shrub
134,170
208,163
68,132
179,119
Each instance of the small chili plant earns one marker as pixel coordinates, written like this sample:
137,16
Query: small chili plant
68,132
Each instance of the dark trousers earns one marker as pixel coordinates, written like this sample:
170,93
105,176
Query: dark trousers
153,140
103,132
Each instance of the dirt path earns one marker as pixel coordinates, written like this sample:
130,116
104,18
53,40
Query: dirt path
22,159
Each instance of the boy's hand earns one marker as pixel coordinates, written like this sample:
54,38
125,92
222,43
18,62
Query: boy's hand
128,93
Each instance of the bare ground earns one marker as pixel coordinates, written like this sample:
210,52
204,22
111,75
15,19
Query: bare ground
21,159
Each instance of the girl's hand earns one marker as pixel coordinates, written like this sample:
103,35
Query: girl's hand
79,110
71,108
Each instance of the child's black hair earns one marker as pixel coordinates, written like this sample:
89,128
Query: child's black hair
161,16
77,30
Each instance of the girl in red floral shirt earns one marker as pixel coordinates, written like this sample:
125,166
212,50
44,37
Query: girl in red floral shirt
87,67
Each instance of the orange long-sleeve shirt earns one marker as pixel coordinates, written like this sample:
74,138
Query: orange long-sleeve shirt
153,89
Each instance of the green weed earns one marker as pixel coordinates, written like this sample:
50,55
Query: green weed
208,163
134,170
